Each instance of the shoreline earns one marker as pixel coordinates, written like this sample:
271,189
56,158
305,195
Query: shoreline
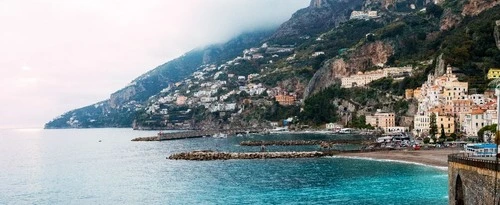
437,158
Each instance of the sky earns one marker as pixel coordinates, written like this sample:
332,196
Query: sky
59,55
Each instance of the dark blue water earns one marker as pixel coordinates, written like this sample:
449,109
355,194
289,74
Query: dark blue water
73,167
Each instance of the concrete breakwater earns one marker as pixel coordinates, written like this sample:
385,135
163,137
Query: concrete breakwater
211,155
145,139
299,142
195,134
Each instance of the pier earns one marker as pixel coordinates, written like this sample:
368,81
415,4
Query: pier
299,142
196,134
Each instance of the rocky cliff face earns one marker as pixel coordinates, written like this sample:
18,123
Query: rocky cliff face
440,66
364,57
320,16
475,7
449,20
318,3
124,95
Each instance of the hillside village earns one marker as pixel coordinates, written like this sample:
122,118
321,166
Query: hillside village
381,61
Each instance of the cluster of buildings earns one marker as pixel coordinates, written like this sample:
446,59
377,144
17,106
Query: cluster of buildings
217,89
363,15
455,110
362,79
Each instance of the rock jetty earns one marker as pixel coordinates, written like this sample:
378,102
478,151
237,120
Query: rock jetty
211,155
146,139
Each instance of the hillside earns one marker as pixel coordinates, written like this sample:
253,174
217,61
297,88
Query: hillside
120,109
238,83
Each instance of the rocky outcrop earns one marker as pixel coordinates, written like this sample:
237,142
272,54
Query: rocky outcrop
387,3
497,33
366,56
124,95
318,3
449,20
440,66
320,16
475,7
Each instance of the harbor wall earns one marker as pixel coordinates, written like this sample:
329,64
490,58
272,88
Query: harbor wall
472,181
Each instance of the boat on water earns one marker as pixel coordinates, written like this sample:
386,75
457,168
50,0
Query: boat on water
279,130
219,135
394,137
347,131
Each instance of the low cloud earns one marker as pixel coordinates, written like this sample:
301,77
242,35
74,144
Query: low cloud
61,55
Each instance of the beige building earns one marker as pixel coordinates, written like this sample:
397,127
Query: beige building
181,100
461,106
473,122
361,79
447,122
285,99
409,94
381,119
417,93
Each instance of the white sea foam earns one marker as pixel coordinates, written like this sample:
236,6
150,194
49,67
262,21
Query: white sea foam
392,160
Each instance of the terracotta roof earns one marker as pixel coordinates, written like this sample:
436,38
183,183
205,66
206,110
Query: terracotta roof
477,111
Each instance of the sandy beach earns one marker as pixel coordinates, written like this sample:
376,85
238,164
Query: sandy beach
433,157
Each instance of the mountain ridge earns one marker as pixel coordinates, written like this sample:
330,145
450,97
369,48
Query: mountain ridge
306,55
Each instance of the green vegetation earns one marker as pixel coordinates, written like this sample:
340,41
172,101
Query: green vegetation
492,128
359,122
433,129
471,47
245,68
278,112
320,109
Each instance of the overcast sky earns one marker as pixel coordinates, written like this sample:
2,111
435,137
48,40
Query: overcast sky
64,54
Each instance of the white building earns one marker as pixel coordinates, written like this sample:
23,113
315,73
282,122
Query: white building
478,99
396,129
365,15
421,123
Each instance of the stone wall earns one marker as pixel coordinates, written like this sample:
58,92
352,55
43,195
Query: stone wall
471,184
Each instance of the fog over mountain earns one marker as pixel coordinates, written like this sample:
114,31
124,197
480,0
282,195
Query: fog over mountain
60,55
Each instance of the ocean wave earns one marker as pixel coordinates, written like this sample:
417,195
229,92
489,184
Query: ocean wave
392,160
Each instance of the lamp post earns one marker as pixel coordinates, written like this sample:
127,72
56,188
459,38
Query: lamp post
497,141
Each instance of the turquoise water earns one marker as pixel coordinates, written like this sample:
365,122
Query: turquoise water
73,167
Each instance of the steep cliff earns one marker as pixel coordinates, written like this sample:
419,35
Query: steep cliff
320,16
359,60
475,7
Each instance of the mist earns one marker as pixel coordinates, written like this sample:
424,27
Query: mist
60,55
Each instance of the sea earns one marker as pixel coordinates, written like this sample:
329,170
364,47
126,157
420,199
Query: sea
102,166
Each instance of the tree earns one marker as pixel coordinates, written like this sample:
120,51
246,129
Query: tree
434,10
453,136
433,129
443,135
492,128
